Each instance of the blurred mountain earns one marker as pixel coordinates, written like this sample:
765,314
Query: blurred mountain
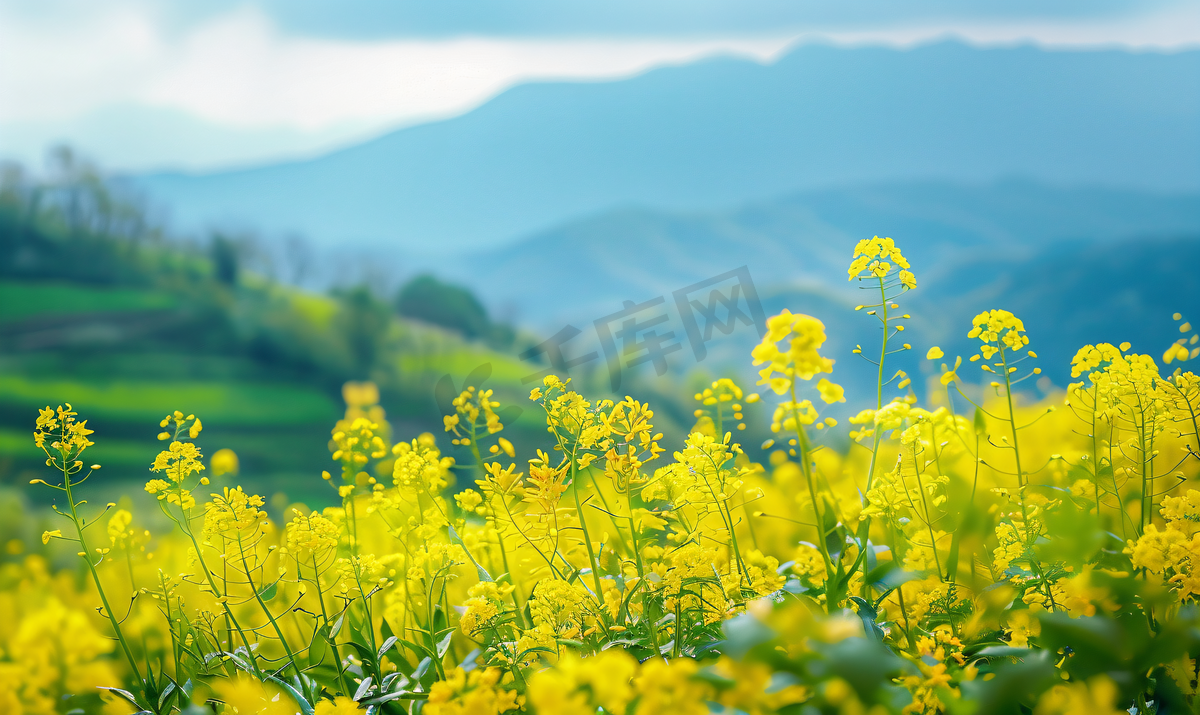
589,266
726,131
1081,265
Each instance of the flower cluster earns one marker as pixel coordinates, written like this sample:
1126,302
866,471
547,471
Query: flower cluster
872,256
69,437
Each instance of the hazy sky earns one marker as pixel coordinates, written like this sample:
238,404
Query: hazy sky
158,83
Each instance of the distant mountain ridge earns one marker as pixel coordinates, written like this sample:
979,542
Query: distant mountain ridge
590,265
724,131
1079,265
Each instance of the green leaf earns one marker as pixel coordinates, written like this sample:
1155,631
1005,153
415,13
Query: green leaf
1015,687
1168,698
422,668
952,558
324,674
483,574
1006,651
866,665
320,647
305,706
363,688
868,615
269,592
835,539
398,695
387,645
337,626
364,652
124,694
1100,644
743,632
166,693
417,648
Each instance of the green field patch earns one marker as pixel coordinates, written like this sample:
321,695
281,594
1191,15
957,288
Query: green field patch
317,309
20,301
226,403
459,364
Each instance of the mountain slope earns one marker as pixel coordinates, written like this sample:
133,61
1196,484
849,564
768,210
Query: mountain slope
1081,265
725,131
585,268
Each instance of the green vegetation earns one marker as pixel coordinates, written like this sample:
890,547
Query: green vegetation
236,403
23,301
429,300
101,307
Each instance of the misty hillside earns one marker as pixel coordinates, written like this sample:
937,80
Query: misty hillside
592,264
725,131
1080,265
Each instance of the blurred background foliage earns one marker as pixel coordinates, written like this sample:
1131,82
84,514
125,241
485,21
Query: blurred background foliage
102,307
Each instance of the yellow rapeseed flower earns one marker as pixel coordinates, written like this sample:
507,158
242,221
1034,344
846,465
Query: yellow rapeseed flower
802,337
224,461
338,706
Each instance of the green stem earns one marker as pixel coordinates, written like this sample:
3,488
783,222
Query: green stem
806,469
883,348
928,517
212,584
1012,421
587,540
325,617
508,570
637,555
112,619
499,536
900,594
371,621
263,605
864,529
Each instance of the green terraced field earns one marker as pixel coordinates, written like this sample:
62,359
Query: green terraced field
233,404
19,301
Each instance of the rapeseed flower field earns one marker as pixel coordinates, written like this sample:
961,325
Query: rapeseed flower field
973,551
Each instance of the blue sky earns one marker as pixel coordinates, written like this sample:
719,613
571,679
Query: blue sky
155,83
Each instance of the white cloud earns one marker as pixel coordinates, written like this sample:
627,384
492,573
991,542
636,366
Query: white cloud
238,70
238,73
56,70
